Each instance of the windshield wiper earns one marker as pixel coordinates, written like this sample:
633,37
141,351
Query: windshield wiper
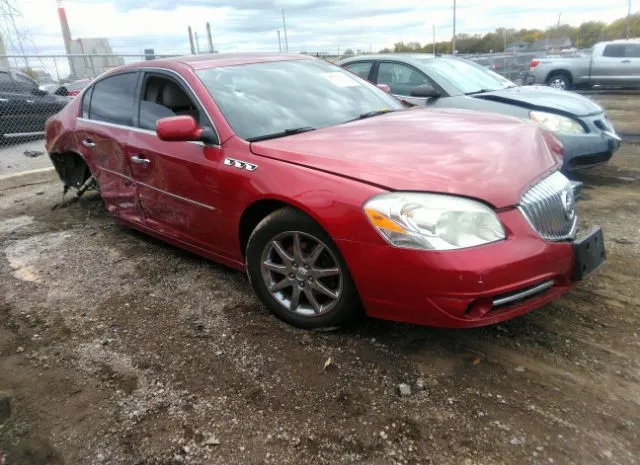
286,132
481,91
369,114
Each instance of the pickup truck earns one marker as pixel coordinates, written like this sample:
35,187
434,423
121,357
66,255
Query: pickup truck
613,64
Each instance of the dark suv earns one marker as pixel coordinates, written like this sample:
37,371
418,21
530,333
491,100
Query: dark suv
24,108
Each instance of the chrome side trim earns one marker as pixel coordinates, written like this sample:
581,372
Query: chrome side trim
23,134
179,197
162,191
523,294
117,174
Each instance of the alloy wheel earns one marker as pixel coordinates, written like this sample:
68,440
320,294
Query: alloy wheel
558,83
302,273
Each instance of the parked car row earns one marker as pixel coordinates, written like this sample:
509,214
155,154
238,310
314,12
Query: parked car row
334,195
581,125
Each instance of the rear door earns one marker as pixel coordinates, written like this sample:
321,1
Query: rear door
609,68
103,129
632,63
177,181
36,105
8,107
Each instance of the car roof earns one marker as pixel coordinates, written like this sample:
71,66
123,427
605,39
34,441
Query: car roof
214,60
411,58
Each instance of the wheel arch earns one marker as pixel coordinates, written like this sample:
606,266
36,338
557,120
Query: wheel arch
559,71
71,167
256,211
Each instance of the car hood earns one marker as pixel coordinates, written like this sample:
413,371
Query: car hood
481,155
544,98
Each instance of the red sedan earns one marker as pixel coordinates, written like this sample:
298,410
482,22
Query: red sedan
328,191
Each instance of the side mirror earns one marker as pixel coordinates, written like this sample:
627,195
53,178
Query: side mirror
425,91
384,87
178,128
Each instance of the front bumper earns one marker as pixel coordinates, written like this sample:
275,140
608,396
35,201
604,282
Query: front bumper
592,148
460,288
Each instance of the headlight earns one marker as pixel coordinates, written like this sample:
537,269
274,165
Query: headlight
433,221
557,123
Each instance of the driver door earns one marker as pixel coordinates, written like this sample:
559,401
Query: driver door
177,181
402,79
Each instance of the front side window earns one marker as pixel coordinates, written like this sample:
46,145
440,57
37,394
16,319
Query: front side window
632,51
361,68
163,97
400,77
113,99
260,99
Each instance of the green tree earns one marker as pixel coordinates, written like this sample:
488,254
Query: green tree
348,52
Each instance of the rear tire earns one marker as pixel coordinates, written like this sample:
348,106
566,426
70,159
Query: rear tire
299,273
560,81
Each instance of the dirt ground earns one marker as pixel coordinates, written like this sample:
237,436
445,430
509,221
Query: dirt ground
118,349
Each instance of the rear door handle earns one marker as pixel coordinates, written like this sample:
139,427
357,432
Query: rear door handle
626,61
88,143
138,160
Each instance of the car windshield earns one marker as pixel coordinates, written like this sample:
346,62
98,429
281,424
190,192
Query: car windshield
280,98
467,77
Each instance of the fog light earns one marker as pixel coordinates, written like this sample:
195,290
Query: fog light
479,308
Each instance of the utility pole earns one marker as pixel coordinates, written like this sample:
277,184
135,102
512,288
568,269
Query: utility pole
209,37
434,39
453,41
193,48
284,27
559,16
197,44
627,25
279,42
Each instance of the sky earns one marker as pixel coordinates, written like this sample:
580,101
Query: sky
312,25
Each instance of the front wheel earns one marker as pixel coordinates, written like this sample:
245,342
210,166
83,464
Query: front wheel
559,81
299,273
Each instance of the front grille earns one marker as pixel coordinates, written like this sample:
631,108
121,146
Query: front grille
549,206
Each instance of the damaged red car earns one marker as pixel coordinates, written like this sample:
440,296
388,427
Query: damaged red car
327,191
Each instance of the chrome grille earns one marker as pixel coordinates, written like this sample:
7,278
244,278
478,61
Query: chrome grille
549,206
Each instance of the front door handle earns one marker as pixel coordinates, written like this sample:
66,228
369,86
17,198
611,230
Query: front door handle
626,61
88,143
138,160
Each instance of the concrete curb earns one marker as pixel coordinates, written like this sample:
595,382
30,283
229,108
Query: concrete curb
26,178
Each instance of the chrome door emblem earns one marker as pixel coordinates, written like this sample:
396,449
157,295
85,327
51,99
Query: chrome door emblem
569,205
240,164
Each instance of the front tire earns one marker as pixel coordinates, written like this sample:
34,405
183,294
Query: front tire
559,81
299,273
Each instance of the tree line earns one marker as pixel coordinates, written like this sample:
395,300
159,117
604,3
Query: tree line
583,36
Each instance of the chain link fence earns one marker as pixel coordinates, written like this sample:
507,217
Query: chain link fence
34,87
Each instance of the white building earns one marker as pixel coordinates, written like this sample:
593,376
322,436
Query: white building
98,57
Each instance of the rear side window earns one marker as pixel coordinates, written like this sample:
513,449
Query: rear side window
112,100
362,68
613,50
86,102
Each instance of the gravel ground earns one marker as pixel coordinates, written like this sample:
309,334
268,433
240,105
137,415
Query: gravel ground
13,159
116,348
